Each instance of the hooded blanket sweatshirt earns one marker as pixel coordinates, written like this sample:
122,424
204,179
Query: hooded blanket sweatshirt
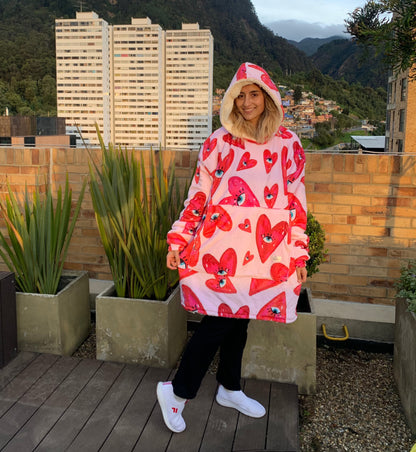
242,231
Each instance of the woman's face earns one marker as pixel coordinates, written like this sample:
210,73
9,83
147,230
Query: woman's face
250,103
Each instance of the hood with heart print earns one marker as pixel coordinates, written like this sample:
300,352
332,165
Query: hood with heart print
247,74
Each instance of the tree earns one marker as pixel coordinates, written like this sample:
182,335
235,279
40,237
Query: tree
393,36
297,94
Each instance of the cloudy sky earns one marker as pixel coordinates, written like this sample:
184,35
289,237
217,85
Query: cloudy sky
298,19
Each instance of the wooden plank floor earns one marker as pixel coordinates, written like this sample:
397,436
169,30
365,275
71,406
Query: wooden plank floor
52,404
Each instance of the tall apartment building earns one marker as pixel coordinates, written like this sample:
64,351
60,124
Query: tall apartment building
83,74
159,89
401,111
137,92
189,73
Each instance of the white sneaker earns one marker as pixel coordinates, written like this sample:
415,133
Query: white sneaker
171,406
239,401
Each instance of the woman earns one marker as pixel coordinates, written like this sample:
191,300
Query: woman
239,244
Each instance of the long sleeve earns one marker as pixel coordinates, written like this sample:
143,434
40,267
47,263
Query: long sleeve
297,204
185,228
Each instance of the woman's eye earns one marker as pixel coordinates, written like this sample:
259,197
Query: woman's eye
241,199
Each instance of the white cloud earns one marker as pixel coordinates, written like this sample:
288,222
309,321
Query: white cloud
325,12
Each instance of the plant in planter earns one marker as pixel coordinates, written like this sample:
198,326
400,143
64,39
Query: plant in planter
404,361
293,359
39,230
140,319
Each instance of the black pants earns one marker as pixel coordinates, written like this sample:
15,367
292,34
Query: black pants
227,334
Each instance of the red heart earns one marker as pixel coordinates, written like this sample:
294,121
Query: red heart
246,226
246,162
225,311
191,301
257,285
209,146
221,284
248,258
270,195
195,208
275,309
269,159
279,272
241,194
222,167
226,266
216,217
284,133
268,238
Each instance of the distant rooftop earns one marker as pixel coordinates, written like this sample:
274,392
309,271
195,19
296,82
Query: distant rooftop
370,142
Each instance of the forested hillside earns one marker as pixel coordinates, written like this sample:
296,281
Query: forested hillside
344,59
27,44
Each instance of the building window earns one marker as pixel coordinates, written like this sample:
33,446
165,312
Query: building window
399,145
401,120
403,89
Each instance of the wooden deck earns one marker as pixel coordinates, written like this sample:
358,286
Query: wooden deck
52,403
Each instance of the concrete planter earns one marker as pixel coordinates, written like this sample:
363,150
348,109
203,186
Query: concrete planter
149,332
55,324
284,353
404,362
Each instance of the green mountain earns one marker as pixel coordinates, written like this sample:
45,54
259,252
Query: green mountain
311,45
344,59
27,46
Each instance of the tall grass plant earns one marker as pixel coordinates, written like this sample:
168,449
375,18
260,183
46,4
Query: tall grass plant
39,233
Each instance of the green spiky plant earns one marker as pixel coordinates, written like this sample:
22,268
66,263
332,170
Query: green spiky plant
133,220
39,233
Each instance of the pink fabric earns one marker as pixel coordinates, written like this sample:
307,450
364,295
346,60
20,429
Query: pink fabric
241,233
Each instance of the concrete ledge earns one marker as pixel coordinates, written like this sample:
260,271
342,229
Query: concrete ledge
371,322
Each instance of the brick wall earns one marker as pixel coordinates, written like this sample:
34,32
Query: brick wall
366,204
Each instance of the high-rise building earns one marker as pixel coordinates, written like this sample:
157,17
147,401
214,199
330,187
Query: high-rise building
83,74
137,84
142,85
401,111
189,70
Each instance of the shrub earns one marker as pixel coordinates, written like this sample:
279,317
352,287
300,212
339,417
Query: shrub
406,285
317,252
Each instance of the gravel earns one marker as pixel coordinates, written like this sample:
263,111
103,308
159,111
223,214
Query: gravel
356,407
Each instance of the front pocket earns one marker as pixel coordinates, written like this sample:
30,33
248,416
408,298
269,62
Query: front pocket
240,241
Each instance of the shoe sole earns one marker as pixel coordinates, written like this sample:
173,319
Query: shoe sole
163,408
229,404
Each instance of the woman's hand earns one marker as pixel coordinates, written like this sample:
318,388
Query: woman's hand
302,274
172,259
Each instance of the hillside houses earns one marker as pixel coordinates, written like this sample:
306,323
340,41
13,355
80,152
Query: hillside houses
300,117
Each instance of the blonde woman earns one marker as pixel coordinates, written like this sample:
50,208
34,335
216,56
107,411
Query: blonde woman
239,245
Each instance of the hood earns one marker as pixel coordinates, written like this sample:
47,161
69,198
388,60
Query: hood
247,74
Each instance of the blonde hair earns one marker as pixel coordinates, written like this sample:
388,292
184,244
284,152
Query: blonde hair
267,124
